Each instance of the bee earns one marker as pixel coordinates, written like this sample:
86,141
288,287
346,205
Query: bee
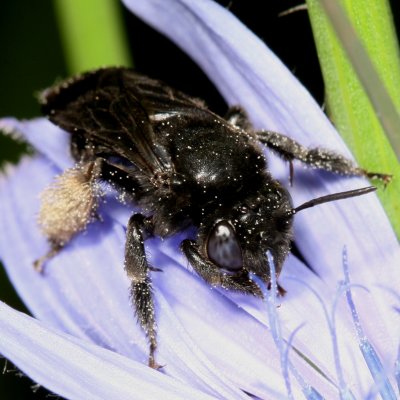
182,165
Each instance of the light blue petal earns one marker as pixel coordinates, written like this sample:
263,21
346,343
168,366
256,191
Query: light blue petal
76,369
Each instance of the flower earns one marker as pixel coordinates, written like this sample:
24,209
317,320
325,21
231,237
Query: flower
85,341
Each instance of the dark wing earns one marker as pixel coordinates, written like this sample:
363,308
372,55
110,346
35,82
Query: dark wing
112,109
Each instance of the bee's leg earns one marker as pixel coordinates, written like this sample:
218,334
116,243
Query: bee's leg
319,158
212,274
137,269
39,263
68,205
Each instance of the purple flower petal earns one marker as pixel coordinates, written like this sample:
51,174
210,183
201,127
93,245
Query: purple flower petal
77,369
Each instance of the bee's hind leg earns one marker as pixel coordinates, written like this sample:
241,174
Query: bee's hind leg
39,263
68,205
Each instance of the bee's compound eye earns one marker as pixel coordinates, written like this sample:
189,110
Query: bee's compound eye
223,248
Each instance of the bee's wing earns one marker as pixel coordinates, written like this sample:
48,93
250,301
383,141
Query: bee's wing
112,109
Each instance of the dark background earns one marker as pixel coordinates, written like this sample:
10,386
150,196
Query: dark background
32,58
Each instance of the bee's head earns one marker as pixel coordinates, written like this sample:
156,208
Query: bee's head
237,239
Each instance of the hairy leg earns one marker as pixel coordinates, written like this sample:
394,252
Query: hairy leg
137,269
319,158
290,150
68,205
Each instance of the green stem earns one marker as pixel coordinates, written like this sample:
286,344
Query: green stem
363,84
92,34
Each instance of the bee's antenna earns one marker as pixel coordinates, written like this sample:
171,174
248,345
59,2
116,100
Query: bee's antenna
333,197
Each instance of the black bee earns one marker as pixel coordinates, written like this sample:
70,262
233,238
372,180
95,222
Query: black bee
183,165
